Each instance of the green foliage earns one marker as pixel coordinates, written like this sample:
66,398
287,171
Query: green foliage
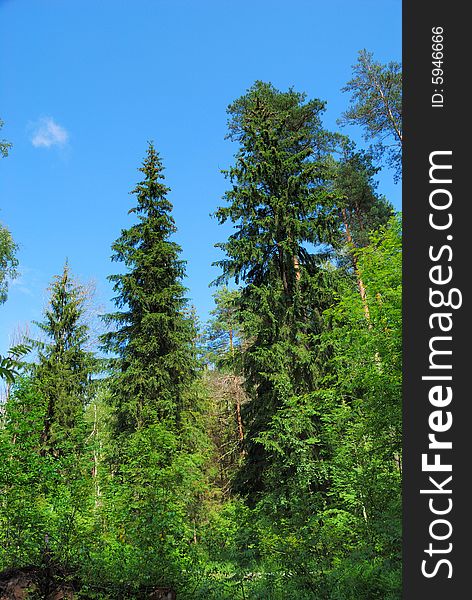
21,472
11,364
363,431
44,499
369,352
8,261
4,144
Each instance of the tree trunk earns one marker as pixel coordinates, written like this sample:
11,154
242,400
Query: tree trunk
238,416
360,283
296,266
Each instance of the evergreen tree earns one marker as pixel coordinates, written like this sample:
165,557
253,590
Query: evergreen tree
222,336
161,460
276,201
65,367
358,208
276,186
153,340
376,105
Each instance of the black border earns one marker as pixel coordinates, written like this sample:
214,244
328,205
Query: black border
427,129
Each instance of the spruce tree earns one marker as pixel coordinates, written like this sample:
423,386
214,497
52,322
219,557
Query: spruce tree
153,338
276,203
65,367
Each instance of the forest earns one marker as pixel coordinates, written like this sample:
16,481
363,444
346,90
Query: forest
253,456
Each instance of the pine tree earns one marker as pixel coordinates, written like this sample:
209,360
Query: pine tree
64,369
358,207
222,336
223,352
376,105
153,340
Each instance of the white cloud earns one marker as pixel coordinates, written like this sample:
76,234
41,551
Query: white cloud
48,133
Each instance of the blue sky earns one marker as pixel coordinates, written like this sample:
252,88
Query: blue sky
85,84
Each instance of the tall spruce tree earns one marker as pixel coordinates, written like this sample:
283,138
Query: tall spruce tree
65,367
278,191
153,340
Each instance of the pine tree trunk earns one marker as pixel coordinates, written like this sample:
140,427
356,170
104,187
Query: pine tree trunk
240,421
360,283
238,400
96,459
